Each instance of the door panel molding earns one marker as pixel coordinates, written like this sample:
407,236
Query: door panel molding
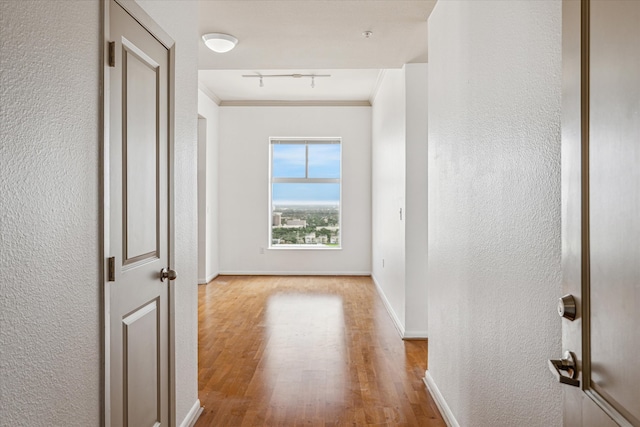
142,352
147,22
142,160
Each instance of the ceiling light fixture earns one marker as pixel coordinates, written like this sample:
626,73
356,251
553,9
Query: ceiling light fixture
219,42
295,76
367,34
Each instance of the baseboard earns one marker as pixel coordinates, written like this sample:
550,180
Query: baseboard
394,317
193,415
415,335
208,279
295,273
445,411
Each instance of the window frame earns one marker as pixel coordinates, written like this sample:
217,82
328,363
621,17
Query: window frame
306,141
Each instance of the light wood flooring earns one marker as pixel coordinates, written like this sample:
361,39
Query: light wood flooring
306,351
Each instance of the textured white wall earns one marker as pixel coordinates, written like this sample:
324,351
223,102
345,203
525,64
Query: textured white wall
416,200
49,223
179,19
244,185
494,210
388,189
399,181
202,196
210,111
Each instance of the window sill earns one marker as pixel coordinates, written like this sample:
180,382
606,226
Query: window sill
305,248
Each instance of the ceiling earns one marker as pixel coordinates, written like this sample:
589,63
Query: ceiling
309,37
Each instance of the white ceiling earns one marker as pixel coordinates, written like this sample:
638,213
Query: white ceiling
309,37
343,85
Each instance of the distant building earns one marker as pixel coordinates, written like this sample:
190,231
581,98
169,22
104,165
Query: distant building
296,223
328,227
277,219
312,239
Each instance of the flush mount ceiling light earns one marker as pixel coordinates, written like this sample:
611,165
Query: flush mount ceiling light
219,42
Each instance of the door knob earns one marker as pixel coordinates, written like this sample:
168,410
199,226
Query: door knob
167,273
567,307
568,365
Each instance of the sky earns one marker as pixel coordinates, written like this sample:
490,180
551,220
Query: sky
305,194
289,162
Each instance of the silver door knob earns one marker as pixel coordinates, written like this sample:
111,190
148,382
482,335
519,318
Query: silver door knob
167,273
567,307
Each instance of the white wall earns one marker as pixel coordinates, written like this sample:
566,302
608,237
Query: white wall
494,210
416,200
179,19
388,189
209,110
50,335
202,197
243,188
399,180
49,214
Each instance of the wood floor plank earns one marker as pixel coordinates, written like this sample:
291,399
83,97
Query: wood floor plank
306,351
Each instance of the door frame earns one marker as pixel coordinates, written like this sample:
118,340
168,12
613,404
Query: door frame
143,18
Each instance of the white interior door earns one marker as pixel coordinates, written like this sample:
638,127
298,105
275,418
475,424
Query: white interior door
601,211
138,318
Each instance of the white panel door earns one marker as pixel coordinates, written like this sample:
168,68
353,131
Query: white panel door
138,321
601,211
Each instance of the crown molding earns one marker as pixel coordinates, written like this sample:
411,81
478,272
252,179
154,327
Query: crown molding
376,87
275,103
210,94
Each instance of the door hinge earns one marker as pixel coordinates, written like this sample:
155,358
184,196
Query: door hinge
112,54
111,269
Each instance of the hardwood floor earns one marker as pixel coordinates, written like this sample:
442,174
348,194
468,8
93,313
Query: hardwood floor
312,351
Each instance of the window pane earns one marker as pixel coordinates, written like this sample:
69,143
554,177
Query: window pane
288,161
305,194
306,214
324,161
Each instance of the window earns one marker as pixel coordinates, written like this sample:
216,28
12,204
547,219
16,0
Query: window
305,193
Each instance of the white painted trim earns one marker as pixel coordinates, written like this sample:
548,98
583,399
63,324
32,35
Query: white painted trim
396,320
413,335
105,123
144,19
192,415
172,234
275,103
212,96
295,273
445,411
208,279
376,86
